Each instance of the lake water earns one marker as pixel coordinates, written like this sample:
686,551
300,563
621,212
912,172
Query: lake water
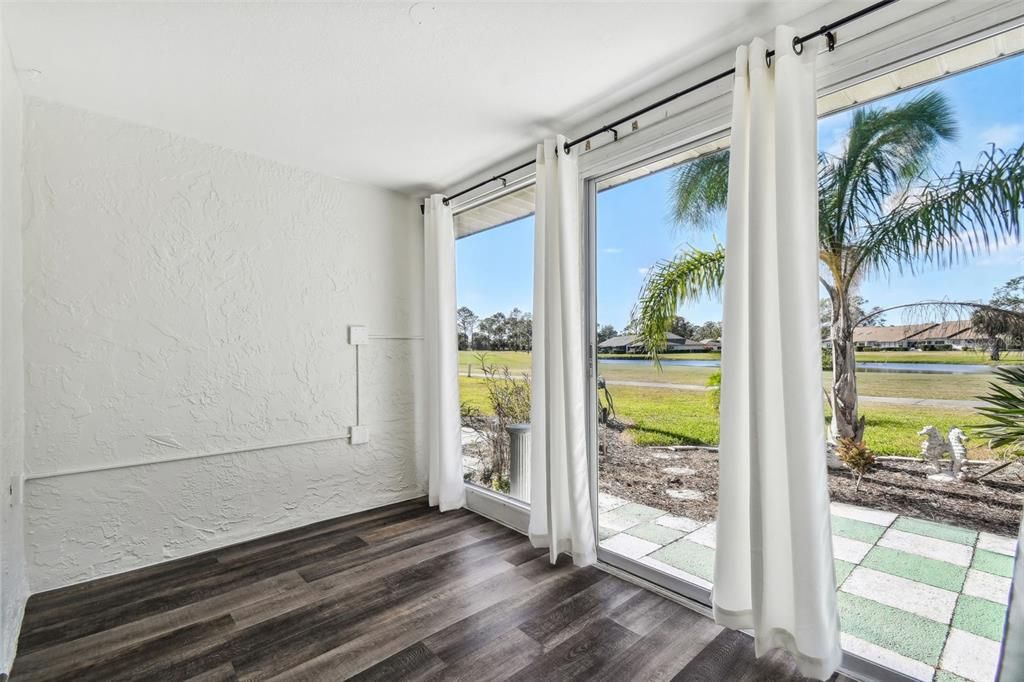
888,367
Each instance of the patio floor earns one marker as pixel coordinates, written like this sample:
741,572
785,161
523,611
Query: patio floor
919,597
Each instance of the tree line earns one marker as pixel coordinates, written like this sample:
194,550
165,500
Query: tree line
499,331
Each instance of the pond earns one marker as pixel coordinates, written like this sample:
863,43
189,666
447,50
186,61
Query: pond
887,367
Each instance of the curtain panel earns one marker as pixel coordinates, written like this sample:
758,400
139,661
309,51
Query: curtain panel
560,512
773,565
446,489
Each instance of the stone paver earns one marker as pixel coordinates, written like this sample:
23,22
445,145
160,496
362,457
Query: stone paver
970,656
685,494
925,546
607,502
940,531
885,657
679,523
705,536
979,617
688,556
983,585
848,511
679,471
921,598
913,597
904,633
991,562
856,530
629,546
997,544
654,532
849,550
918,568
628,515
843,570
675,572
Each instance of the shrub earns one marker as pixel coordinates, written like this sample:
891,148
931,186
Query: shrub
714,384
826,357
510,401
1004,411
855,454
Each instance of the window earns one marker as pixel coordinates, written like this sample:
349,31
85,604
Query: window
494,270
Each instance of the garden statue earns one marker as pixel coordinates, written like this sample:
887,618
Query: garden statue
936,448
958,448
831,458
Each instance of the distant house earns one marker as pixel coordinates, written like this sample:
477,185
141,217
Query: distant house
898,336
713,344
629,343
957,334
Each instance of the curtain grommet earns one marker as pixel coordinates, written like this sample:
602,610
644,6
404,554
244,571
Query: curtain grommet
768,58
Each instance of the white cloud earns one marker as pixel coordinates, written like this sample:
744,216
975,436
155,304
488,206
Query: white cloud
612,250
643,271
837,148
1003,135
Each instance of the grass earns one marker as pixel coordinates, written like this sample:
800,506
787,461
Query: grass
935,386
949,357
662,416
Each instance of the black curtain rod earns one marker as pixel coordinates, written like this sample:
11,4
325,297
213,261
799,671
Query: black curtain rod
826,30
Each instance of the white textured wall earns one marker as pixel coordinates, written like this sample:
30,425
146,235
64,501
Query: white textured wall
13,584
184,298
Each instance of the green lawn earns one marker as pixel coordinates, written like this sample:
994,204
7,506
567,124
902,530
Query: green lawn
672,417
940,386
952,357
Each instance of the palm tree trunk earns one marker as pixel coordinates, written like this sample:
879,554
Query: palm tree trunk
845,423
994,348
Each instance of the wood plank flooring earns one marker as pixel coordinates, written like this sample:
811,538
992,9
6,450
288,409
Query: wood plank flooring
397,593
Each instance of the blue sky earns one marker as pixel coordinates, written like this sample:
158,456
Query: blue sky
494,268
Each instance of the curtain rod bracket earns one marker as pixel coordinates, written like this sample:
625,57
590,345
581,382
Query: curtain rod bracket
830,39
798,45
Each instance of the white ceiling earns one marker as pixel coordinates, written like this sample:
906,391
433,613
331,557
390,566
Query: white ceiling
409,96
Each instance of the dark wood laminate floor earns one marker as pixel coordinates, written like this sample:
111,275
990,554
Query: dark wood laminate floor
398,593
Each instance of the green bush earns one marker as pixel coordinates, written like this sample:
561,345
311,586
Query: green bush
714,384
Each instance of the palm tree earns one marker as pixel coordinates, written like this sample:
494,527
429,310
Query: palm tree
880,210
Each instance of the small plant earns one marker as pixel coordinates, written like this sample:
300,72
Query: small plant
1004,412
714,384
510,401
855,454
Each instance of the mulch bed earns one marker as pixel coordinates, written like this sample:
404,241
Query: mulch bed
637,474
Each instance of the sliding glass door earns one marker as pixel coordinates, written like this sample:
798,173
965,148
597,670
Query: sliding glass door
926,507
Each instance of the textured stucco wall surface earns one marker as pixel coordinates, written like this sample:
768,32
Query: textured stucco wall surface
13,583
184,298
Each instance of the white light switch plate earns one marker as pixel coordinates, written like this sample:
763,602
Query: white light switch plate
358,336
359,435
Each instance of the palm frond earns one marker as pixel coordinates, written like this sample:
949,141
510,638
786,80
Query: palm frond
700,190
950,218
693,274
887,149
1004,410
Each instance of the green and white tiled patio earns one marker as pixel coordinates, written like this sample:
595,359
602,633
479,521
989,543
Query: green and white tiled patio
922,598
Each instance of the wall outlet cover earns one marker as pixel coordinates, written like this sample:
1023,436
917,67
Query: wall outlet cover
359,435
358,336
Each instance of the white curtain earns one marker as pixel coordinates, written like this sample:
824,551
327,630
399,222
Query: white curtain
560,513
444,433
773,565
